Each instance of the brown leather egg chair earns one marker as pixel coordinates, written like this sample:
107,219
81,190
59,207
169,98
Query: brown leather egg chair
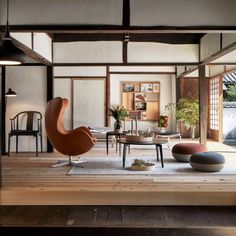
68,142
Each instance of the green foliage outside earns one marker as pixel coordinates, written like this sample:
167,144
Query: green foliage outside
231,92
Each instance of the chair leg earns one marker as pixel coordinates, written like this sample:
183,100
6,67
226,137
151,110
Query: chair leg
9,144
68,163
41,141
36,145
16,143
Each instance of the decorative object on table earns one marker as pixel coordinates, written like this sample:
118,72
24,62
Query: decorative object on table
186,111
162,123
119,113
207,161
141,165
183,151
140,136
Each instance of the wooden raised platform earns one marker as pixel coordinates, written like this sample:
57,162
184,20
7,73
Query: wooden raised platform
31,181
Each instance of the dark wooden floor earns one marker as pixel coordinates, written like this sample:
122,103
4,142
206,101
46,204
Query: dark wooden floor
118,220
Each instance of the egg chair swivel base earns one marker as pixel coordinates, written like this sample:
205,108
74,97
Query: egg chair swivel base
68,142
69,163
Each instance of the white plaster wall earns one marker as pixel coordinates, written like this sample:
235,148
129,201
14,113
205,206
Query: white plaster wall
166,94
88,52
24,38
216,70
62,88
209,44
31,12
228,39
160,52
229,127
29,82
80,71
183,12
43,45
228,58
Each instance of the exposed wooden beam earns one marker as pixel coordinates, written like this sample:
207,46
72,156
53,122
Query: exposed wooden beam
177,38
120,29
126,14
3,112
30,53
142,73
49,97
203,104
128,64
107,95
187,72
219,54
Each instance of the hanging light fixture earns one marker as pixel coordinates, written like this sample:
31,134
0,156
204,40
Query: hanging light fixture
10,93
9,53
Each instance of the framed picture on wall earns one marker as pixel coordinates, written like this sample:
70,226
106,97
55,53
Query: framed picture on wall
145,88
140,106
141,97
128,87
156,88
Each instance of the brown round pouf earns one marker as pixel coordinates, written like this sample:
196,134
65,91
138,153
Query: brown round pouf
183,151
207,161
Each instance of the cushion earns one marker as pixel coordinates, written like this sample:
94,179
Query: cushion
207,161
183,151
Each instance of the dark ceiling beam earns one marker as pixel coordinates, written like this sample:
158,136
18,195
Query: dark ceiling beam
30,53
171,38
126,14
129,64
119,29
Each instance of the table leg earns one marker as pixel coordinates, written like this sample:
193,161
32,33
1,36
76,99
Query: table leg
107,143
124,154
157,152
162,162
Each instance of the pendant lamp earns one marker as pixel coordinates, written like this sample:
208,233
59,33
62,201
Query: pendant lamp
9,53
10,93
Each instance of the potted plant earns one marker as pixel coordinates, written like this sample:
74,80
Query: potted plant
119,113
162,123
186,111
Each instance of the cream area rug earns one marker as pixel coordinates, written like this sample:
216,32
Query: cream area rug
112,165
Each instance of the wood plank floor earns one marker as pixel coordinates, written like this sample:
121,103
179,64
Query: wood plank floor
32,181
117,220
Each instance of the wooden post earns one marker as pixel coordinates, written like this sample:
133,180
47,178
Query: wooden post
49,97
3,112
203,104
107,102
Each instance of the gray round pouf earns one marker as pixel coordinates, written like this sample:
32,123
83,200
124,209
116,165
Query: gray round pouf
207,161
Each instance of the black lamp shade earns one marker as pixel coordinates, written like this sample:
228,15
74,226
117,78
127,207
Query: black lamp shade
10,54
10,93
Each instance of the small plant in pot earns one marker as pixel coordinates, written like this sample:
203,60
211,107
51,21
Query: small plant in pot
162,123
119,113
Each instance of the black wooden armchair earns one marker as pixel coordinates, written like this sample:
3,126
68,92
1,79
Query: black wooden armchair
26,123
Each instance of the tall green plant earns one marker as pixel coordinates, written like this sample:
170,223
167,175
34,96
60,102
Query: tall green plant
118,112
186,110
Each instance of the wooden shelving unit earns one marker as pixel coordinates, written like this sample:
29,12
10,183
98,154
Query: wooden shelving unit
141,99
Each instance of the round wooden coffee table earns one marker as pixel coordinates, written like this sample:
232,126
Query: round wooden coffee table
156,143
